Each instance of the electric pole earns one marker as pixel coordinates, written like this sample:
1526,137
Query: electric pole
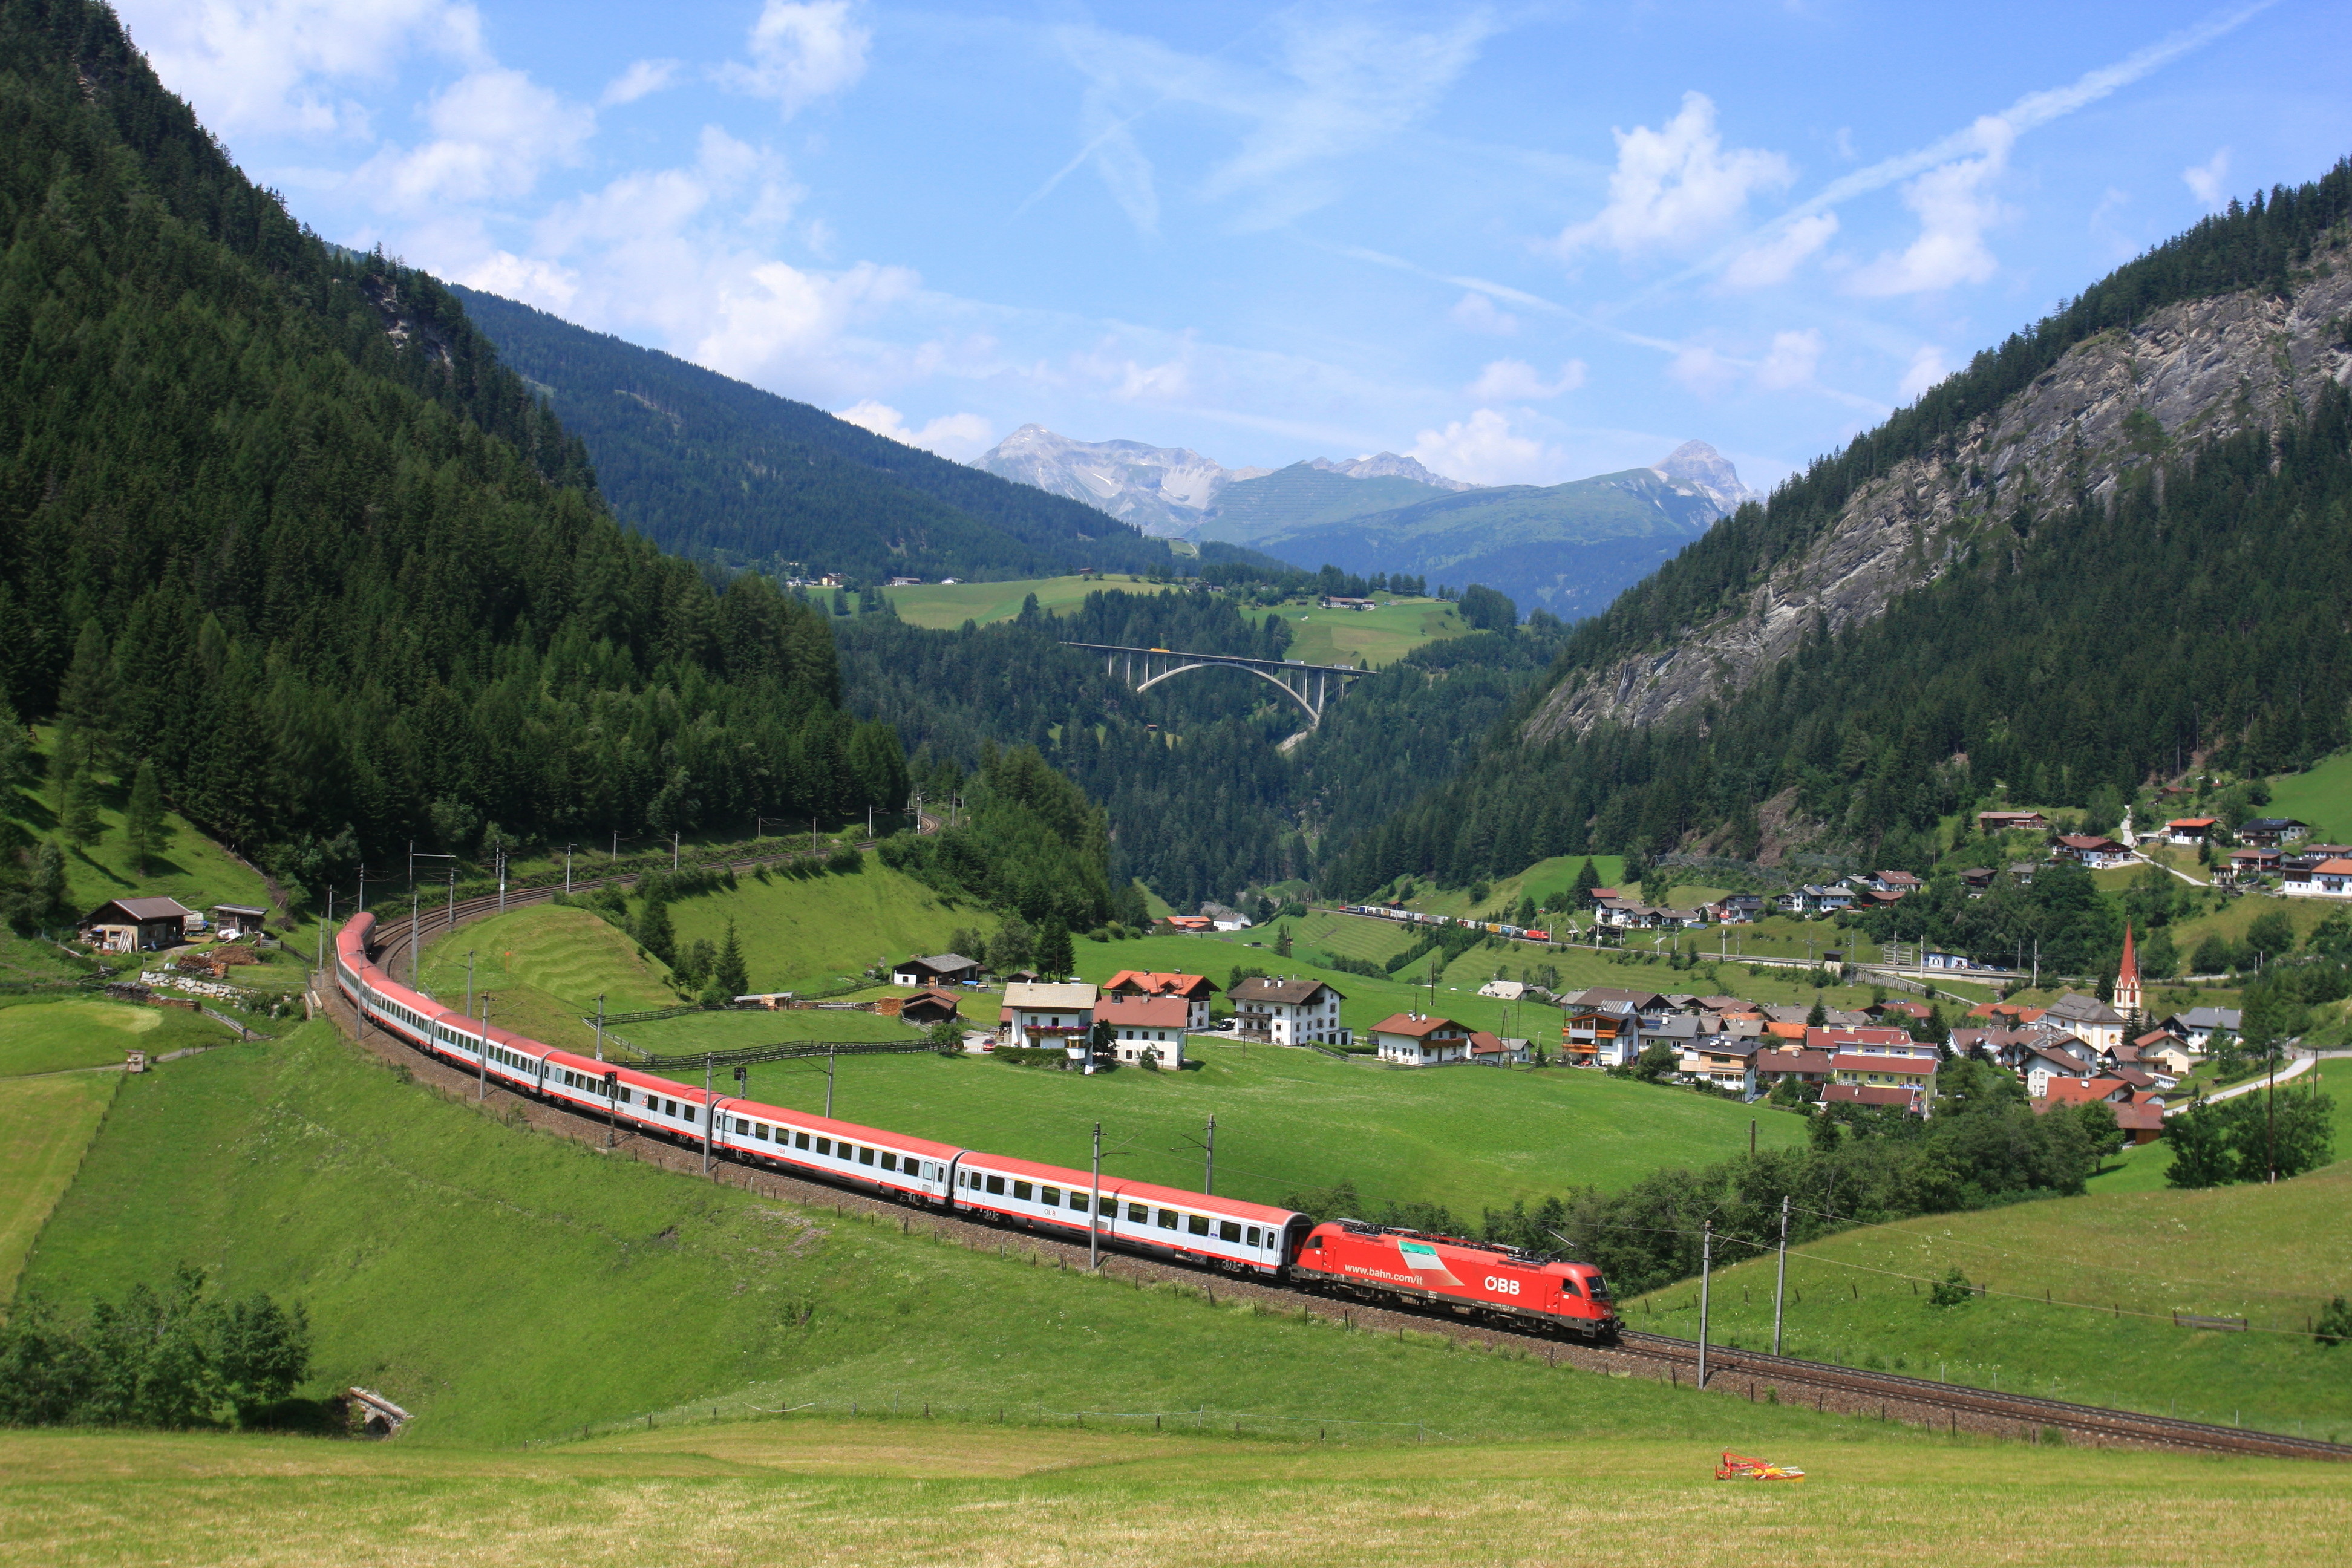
482,1057
1781,1280
709,1121
1094,1215
612,1109
828,1082
600,1026
1705,1265
1209,1178
469,980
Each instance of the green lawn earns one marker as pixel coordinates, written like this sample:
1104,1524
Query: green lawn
43,1036
191,868
1375,637
45,1125
543,967
2116,1263
504,1284
2322,797
829,1490
943,607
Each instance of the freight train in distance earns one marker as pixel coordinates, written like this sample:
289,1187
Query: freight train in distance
1377,1264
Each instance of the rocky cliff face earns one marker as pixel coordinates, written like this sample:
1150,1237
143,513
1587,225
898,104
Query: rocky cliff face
2113,404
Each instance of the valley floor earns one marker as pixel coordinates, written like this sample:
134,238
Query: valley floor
906,1491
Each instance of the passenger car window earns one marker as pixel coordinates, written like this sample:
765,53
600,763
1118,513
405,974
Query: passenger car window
1021,1191
1050,1197
1227,1230
1198,1223
1138,1213
1168,1219
996,1185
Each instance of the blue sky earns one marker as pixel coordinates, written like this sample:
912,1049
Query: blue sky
1523,243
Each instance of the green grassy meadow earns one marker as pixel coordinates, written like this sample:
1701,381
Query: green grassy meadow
544,966
191,868
2322,797
1375,637
888,1493
2115,1263
45,1123
45,1036
528,1285
1290,1121
945,606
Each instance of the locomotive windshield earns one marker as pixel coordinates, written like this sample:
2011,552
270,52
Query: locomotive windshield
1599,1287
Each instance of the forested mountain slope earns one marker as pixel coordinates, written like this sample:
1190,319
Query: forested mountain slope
2120,544
711,468
275,521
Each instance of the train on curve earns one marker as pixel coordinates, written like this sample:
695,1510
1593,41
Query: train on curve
1383,1264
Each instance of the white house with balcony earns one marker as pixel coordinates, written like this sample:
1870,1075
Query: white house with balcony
1046,1017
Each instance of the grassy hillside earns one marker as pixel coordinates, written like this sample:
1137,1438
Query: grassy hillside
802,935
2322,797
529,1285
2116,1265
835,1491
45,1123
1376,637
1301,497
544,966
191,867
945,606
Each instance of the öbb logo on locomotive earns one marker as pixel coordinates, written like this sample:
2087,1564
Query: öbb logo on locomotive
1383,1265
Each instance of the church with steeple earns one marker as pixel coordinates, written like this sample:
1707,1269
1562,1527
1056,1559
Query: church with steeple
2128,998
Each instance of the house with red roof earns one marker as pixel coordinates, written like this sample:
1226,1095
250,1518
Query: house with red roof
2190,831
1421,1040
1146,1030
1193,990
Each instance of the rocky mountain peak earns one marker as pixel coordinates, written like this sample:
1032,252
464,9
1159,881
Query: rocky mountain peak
1389,465
1698,468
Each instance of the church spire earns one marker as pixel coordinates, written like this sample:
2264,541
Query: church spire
2127,1000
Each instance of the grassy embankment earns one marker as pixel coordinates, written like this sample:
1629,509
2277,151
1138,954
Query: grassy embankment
504,1284
892,1492
2115,1263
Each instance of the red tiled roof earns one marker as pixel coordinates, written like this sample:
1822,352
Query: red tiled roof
1155,982
2081,1092
1829,1039
1143,1012
1866,1094
1405,1024
1909,1067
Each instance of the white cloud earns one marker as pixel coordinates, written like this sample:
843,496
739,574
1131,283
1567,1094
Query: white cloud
1793,361
267,65
1130,380
961,436
1474,313
802,52
1772,261
1928,367
1675,189
1516,381
495,129
2205,180
1340,83
642,78
1956,205
1702,369
1484,449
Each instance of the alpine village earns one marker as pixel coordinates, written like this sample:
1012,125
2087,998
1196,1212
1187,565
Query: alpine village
644,919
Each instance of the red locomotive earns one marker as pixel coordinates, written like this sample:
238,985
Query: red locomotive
1503,1284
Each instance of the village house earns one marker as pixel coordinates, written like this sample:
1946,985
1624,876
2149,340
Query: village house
1413,1040
1194,924
2328,880
1040,1016
1601,1034
2094,850
938,969
138,925
2197,1027
2189,832
1146,1028
2012,822
1896,883
1491,1050
1865,1065
1288,1012
1503,990
1193,990
1727,1062
234,921
1782,1063
2271,832
2047,1066
1740,909
1893,1097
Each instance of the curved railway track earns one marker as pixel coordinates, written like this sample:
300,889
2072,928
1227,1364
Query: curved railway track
1753,1375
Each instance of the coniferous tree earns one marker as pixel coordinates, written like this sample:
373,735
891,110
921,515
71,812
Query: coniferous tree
143,818
86,701
1055,958
654,932
731,973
